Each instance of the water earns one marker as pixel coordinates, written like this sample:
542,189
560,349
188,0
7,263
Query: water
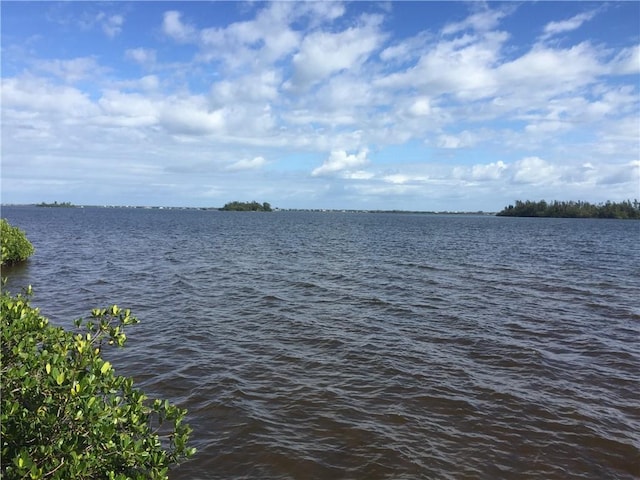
365,346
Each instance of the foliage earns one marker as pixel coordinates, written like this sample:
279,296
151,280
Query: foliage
66,414
56,204
15,245
247,207
622,210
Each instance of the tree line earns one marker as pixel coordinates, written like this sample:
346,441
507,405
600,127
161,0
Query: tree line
56,204
573,209
247,207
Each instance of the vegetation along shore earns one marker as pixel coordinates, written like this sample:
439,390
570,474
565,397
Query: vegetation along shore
572,209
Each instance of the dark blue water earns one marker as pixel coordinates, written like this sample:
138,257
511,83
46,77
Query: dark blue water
365,346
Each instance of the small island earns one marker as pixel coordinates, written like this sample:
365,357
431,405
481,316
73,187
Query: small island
246,207
55,205
573,209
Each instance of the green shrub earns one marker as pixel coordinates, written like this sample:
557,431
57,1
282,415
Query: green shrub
65,414
247,207
15,246
570,209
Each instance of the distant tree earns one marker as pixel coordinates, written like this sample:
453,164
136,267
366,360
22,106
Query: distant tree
56,204
572,209
253,206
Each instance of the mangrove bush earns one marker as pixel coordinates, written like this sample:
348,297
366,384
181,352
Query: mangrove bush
65,414
15,245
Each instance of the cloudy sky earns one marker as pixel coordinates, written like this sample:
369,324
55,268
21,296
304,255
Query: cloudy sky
384,105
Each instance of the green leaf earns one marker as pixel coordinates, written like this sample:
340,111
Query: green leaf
98,423
106,366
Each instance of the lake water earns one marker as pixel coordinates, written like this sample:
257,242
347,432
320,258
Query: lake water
311,345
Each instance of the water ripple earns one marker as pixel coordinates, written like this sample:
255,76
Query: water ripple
344,346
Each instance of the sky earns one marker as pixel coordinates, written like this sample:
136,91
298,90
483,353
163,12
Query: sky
430,106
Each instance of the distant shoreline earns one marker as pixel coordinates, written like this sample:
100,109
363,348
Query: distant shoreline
320,210
513,212
626,210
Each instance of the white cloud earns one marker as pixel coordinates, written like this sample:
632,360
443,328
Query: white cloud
71,70
173,27
305,117
621,174
143,56
550,71
573,23
339,160
462,140
490,171
259,87
373,190
618,138
396,178
406,50
111,24
247,164
324,53
149,82
359,175
547,126
420,107
483,21
184,115
403,178
260,41
42,97
534,170
190,116
627,62
464,67
131,109
251,123
481,172
320,12
449,141
340,98
398,52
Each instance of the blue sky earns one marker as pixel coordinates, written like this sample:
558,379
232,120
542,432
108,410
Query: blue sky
375,105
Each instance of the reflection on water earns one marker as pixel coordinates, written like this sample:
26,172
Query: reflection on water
352,346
